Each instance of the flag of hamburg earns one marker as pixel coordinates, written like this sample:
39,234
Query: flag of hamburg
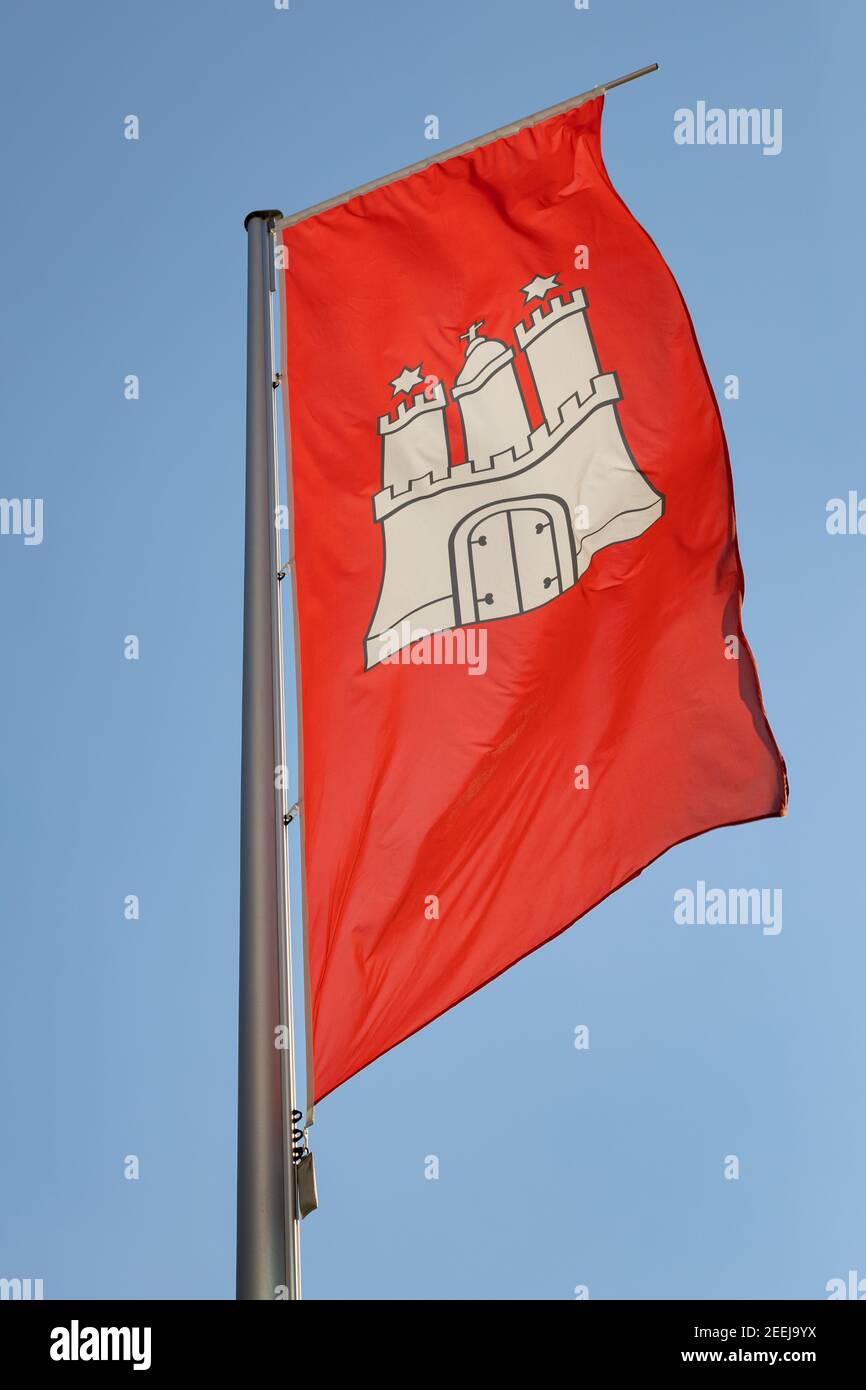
523,674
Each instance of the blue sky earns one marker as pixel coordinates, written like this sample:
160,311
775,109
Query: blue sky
558,1167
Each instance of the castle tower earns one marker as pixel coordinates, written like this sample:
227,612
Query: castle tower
415,442
491,405
560,353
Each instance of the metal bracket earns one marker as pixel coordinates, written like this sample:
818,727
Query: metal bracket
291,813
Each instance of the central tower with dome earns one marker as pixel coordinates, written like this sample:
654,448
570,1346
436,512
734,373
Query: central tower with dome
492,408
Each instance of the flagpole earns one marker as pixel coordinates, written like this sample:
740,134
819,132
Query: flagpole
268,1247
502,132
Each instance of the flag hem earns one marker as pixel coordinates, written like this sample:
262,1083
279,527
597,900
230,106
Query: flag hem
309,1058
741,577
721,825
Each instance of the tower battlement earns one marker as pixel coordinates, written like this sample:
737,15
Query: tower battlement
541,442
489,393
407,411
548,313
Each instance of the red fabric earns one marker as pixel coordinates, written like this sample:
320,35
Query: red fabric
422,780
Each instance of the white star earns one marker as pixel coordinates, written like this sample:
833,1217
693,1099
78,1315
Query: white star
539,287
409,378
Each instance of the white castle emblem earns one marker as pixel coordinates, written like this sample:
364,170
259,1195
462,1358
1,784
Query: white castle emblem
516,524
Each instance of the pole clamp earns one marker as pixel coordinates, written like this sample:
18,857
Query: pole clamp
307,1196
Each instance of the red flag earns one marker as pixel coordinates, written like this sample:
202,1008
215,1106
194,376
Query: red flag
523,672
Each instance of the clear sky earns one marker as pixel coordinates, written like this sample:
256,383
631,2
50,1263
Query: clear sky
558,1167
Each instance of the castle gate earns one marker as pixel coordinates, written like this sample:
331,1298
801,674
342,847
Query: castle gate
510,557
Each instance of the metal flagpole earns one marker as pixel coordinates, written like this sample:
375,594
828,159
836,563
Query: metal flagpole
466,148
268,1247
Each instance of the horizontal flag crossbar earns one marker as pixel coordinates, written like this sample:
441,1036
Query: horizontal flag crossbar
511,129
